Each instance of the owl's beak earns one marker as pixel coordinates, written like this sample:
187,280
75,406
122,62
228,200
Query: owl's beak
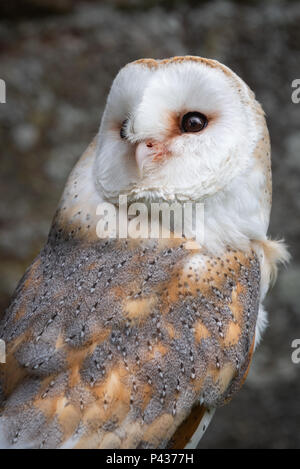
150,151
144,152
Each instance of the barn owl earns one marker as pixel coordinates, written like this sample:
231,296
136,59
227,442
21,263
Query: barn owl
133,343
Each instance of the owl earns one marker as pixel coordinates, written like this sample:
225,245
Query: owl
133,342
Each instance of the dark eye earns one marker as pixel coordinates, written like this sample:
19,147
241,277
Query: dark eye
193,122
123,129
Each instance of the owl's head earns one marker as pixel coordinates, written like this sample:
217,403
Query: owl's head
183,128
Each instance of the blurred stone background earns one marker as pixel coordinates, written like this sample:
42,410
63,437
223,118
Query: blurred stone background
58,58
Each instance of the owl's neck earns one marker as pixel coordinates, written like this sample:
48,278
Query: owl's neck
233,217
237,216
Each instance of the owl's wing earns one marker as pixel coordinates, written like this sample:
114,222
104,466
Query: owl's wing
115,344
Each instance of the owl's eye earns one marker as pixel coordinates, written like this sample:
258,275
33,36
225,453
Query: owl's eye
193,122
123,129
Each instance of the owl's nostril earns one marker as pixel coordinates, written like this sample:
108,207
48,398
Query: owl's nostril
149,145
